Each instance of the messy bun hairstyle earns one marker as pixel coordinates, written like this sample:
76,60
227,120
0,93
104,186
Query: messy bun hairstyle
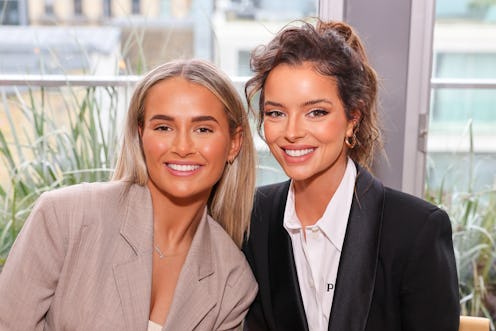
335,50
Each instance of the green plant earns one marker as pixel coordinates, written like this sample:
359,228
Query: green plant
52,138
473,217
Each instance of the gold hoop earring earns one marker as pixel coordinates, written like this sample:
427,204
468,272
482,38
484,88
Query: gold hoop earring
351,142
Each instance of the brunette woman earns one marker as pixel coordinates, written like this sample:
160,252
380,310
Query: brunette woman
332,248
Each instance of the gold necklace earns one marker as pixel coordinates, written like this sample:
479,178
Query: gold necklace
161,254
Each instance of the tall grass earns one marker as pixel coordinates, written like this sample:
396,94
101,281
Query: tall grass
52,138
473,217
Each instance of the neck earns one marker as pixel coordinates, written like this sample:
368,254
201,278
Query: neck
312,195
175,221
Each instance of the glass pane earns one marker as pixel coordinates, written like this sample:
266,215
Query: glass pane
461,158
463,118
9,12
134,36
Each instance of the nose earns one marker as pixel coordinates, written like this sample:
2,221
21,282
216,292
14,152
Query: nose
183,144
295,128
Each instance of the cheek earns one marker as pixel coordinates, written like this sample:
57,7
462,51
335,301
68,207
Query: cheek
152,147
215,149
270,132
334,131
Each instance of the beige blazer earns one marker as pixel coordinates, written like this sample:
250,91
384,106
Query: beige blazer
83,261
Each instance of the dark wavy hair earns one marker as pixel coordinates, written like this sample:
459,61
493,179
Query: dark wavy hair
335,50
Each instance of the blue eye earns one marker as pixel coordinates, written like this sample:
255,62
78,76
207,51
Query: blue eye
273,113
317,113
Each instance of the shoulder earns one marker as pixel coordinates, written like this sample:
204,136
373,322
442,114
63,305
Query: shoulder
88,202
272,190
397,201
269,198
223,246
84,191
394,202
228,257
408,217
97,193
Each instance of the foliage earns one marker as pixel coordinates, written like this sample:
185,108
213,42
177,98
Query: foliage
52,138
481,4
473,217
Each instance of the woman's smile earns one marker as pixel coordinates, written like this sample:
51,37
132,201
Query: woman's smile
305,124
186,139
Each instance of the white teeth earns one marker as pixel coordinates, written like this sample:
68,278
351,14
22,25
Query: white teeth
298,152
183,167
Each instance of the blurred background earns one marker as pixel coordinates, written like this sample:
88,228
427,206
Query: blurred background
68,67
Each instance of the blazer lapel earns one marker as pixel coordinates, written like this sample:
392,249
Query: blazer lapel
359,257
133,268
193,298
287,304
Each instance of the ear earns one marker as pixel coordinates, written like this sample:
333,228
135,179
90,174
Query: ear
236,141
353,122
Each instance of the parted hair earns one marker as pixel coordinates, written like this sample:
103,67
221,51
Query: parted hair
231,199
334,49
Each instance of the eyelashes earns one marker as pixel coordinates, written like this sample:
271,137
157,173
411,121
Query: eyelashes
314,113
273,113
167,128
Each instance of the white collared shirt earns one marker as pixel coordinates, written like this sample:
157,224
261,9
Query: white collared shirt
317,256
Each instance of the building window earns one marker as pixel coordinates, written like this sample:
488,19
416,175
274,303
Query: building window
244,63
9,12
107,8
455,106
49,8
78,7
136,7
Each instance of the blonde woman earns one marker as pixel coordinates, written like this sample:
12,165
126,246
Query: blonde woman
156,248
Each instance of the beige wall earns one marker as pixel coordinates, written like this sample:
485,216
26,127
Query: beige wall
63,9
121,8
36,9
93,9
180,8
150,8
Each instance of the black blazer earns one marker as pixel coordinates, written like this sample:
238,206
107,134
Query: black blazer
397,269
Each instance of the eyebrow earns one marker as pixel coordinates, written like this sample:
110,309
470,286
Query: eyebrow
203,118
306,103
314,102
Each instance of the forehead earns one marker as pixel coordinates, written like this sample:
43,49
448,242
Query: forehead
179,98
299,81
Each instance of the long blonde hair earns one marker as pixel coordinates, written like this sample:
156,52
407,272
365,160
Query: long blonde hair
231,199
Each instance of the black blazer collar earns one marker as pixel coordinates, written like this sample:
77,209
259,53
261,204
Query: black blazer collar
287,303
357,267
359,257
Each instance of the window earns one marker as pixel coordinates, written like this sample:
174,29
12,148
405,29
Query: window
462,129
9,12
78,7
49,11
135,7
107,8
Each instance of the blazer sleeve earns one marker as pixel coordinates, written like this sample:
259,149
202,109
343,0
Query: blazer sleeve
30,274
240,292
429,292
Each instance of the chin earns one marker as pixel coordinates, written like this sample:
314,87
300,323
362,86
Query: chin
298,176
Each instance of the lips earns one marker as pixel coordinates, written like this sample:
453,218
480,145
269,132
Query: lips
298,152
